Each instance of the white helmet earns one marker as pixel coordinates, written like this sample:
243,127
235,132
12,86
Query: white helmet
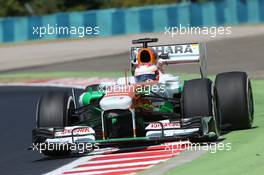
146,72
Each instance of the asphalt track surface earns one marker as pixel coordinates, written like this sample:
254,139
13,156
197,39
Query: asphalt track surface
237,54
18,108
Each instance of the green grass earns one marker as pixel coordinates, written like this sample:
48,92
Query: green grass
15,77
60,74
28,76
247,154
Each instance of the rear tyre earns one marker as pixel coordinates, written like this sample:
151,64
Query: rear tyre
235,100
199,100
54,111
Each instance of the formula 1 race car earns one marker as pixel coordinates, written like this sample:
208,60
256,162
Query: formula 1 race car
149,106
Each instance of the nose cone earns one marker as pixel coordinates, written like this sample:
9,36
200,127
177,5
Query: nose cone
115,102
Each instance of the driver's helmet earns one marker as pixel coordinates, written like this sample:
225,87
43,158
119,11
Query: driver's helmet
146,72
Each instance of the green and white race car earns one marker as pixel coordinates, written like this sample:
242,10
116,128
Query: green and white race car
149,106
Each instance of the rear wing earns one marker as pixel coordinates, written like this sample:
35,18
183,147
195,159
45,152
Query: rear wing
189,53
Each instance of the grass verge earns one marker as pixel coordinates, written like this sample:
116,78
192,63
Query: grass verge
18,77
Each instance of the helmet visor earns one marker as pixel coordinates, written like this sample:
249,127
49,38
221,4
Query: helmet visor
145,77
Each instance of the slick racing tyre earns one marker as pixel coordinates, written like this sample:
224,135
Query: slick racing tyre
235,100
199,101
54,110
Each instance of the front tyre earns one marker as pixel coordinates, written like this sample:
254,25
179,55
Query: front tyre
199,101
54,111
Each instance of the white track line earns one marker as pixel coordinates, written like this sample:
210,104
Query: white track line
109,171
125,159
79,161
87,159
119,165
138,152
70,166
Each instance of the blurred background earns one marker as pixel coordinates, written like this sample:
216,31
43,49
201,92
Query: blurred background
43,7
112,24
19,18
